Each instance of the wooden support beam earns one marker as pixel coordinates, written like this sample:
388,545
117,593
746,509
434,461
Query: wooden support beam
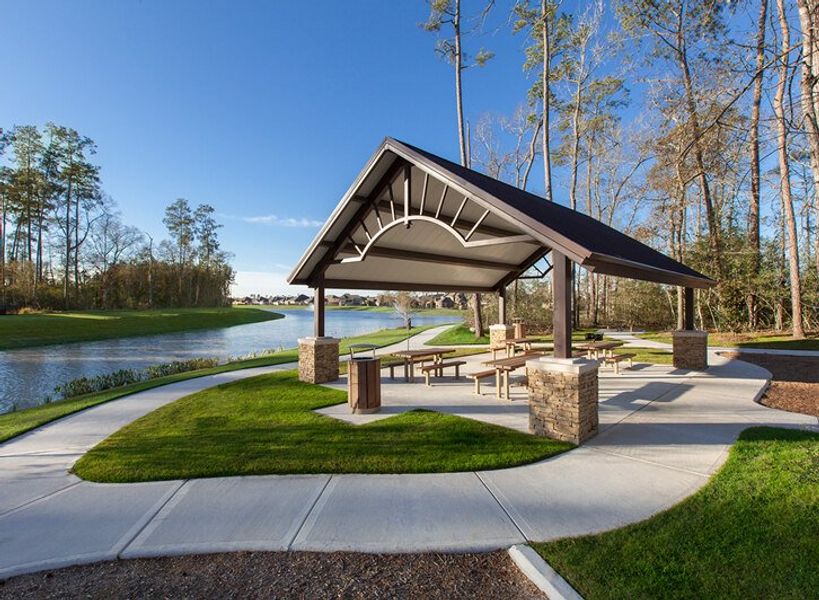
407,191
441,202
359,284
318,311
502,305
562,318
689,309
476,225
392,199
424,193
458,212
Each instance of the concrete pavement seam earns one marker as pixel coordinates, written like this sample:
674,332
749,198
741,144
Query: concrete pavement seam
308,513
28,503
502,507
126,540
648,462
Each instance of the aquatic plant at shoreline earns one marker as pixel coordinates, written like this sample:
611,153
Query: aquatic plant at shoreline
106,381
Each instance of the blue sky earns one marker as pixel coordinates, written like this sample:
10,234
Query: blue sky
265,110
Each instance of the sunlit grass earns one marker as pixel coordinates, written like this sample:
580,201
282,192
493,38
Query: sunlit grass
40,329
751,532
266,424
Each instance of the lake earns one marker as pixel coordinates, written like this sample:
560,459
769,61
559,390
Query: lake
28,375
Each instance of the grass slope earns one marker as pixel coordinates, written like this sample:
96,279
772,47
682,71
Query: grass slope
751,532
16,423
21,331
265,425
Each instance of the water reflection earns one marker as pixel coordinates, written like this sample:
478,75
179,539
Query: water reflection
27,376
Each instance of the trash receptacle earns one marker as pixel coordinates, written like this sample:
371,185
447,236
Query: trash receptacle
364,380
520,328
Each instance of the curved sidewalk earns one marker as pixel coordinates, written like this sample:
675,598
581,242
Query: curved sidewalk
663,433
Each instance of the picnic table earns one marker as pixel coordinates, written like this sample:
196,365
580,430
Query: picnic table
594,349
513,343
504,366
410,357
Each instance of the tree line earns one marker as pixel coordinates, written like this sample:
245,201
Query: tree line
64,245
693,125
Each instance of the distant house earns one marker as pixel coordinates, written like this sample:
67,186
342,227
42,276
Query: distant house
301,299
445,302
351,300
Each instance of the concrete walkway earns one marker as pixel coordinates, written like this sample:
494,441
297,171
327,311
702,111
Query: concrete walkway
663,433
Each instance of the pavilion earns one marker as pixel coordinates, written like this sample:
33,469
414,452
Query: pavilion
414,221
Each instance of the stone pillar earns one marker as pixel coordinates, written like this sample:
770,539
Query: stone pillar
563,398
318,359
498,334
690,349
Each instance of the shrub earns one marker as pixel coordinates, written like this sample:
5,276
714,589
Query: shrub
88,385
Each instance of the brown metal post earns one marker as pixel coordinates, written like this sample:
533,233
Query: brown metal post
688,309
562,319
318,311
502,305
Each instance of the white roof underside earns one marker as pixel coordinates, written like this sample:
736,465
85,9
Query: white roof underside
405,257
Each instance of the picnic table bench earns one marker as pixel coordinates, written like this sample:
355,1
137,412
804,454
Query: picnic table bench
504,366
437,369
616,359
410,357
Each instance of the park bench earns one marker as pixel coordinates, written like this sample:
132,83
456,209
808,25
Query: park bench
438,369
616,359
476,377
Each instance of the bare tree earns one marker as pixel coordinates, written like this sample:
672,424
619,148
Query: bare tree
785,176
448,12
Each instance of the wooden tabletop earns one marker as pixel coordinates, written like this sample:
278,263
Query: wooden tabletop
419,353
600,345
520,341
511,363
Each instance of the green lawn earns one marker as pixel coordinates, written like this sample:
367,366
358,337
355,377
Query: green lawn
15,423
266,425
768,340
41,329
751,532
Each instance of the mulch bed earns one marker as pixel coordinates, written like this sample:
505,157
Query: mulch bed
284,575
795,385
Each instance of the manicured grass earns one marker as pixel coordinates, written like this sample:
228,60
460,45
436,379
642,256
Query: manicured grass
751,532
458,335
265,425
648,355
18,422
765,339
21,331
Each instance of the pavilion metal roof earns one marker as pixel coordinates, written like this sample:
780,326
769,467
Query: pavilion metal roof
415,221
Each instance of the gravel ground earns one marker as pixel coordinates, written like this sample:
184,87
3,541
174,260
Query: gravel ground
306,575
795,385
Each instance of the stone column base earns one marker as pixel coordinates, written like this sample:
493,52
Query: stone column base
690,349
498,334
318,359
563,396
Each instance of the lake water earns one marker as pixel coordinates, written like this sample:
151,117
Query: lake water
28,376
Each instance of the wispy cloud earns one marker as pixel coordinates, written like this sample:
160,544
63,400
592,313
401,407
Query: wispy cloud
282,221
